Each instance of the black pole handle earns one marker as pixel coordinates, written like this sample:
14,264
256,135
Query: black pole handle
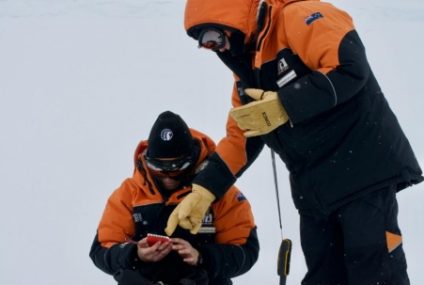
283,266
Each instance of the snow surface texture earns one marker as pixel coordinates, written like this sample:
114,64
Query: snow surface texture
82,81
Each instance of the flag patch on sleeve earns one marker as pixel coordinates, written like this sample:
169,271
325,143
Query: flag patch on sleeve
240,197
315,16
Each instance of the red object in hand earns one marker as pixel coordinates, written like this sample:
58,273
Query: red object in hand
154,238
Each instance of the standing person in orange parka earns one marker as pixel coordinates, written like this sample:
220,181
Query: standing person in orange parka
303,87
227,244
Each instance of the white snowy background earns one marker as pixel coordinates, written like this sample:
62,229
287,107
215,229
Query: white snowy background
82,81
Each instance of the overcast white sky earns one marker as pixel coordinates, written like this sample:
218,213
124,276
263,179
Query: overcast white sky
82,81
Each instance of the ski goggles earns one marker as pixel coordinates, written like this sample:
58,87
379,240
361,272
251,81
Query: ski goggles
213,39
168,167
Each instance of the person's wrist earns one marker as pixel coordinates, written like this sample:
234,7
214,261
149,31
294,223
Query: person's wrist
199,260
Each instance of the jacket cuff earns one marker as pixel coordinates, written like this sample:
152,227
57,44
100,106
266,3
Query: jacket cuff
128,257
215,176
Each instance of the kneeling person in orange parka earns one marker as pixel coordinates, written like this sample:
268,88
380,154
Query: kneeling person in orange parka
227,243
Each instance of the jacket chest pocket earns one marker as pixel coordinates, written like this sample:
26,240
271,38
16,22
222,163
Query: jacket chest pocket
150,219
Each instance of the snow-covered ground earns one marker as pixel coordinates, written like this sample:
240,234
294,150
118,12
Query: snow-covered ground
81,82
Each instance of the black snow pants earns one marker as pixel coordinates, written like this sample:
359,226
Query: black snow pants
134,277
358,244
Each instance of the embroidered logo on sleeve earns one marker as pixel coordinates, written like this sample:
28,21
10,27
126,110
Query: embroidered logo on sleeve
282,66
208,226
137,217
315,16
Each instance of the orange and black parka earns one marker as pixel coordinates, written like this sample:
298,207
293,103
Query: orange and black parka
343,140
227,239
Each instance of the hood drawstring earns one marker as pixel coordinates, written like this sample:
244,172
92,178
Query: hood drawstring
143,172
261,18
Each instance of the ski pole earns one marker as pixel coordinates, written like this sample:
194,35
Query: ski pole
284,253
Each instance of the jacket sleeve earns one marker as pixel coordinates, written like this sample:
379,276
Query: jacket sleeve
324,38
111,249
233,155
237,246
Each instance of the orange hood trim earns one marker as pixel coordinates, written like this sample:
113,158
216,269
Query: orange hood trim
234,14
238,15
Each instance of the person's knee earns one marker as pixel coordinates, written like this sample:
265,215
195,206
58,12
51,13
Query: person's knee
398,267
373,263
130,277
198,277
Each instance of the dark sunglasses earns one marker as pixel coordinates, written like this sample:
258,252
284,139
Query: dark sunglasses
213,39
168,168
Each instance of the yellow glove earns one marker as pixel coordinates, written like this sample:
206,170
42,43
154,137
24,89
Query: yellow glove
190,212
261,116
